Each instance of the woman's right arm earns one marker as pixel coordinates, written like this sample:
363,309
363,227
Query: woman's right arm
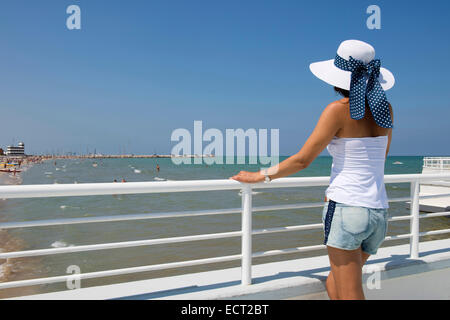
328,125
390,131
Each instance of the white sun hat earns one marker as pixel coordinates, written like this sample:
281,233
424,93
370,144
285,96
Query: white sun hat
358,50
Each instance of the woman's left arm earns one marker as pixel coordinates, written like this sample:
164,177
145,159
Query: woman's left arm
329,123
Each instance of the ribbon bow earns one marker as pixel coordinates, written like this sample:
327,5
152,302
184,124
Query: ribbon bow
364,83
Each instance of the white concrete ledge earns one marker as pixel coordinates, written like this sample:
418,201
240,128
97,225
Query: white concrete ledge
401,278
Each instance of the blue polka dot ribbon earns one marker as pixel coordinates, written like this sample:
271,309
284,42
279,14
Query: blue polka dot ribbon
364,83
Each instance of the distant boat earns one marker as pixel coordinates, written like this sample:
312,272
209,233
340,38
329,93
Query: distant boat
397,162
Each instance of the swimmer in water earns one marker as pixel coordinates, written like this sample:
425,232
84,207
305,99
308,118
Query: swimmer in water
157,167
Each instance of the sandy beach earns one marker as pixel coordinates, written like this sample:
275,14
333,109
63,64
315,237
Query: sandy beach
9,270
5,179
9,178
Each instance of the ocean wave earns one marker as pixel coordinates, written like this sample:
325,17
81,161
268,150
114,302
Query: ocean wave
60,244
253,192
137,171
66,207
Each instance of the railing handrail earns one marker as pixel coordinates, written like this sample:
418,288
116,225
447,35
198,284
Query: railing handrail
433,158
436,163
85,189
115,188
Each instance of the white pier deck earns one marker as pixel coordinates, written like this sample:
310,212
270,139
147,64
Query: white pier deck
427,277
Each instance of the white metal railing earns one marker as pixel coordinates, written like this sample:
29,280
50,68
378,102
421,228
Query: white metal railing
442,163
246,232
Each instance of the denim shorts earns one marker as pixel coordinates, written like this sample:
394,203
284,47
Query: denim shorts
350,227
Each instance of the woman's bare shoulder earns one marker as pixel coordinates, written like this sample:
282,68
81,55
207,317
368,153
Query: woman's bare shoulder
338,107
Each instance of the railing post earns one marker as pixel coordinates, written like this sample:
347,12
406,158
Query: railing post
246,235
414,240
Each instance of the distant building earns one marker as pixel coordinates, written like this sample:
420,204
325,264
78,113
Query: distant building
1,152
16,151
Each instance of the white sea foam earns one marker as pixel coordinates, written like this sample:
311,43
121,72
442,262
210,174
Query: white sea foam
159,179
397,162
60,244
48,172
137,171
253,192
68,207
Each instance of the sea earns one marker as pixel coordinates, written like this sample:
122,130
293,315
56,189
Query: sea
68,171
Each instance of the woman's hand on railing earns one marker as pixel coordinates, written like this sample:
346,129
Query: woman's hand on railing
248,177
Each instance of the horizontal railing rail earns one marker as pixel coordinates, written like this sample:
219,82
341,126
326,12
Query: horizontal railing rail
92,189
436,162
246,232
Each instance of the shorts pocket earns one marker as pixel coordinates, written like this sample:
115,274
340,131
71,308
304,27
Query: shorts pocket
355,220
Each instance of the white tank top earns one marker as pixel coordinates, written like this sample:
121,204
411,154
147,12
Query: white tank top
357,172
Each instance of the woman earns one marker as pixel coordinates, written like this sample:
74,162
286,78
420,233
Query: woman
357,132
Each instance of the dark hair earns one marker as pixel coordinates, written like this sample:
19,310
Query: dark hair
342,92
346,93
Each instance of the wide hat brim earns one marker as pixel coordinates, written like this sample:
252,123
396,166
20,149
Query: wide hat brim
328,72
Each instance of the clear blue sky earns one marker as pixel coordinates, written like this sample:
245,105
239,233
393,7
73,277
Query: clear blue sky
137,70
